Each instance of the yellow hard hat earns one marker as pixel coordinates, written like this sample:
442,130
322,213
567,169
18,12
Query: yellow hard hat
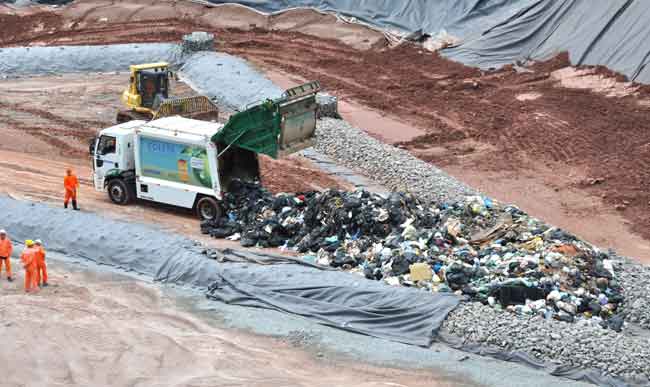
29,243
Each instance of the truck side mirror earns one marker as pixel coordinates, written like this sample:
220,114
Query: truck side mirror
91,146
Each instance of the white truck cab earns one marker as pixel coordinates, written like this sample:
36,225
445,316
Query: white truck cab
114,150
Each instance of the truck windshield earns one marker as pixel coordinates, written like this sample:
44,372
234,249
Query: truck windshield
106,145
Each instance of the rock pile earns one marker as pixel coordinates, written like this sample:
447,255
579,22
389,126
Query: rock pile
197,41
581,344
494,254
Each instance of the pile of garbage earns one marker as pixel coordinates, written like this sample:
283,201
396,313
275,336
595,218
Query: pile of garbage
494,254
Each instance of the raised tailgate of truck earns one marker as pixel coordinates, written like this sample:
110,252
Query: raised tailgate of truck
275,128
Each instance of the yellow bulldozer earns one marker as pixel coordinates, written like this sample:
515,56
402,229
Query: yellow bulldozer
147,97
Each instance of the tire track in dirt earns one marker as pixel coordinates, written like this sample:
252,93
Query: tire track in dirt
79,129
84,16
65,148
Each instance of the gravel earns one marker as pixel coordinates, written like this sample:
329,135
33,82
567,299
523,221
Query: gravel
580,344
394,168
635,279
302,338
229,80
20,61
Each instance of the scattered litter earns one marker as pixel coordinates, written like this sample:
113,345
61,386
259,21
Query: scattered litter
493,254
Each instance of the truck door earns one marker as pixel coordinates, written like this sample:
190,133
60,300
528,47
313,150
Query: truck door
105,159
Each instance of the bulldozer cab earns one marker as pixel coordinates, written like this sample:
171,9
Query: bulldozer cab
150,81
152,84
148,97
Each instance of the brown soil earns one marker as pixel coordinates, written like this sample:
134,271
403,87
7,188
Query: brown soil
115,21
475,122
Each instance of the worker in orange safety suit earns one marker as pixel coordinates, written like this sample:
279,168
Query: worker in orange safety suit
41,267
5,254
71,184
29,260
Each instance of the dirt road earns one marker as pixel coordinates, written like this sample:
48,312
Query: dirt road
90,329
46,123
546,141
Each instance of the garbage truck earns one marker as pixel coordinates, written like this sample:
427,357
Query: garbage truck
191,163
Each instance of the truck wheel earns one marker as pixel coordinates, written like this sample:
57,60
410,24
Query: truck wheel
119,192
208,208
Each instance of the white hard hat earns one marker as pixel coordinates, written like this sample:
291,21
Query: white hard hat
38,242
3,231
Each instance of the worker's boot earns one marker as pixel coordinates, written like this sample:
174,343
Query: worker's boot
44,284
74,205
65,205
10,279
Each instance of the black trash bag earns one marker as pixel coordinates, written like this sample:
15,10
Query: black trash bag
277,240
469,291
595,308
247,242
351,203
456,280
331,247
517,294
341,258
401,265
221,232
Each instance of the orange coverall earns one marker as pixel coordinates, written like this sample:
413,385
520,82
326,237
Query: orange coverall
5,252
70,183
29,259
41,267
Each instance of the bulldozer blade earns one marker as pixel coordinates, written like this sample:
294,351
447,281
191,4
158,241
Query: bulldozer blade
198,107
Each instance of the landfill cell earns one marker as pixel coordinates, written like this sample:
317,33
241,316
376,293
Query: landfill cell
605,138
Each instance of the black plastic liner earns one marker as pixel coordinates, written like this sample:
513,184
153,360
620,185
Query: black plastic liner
493,33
